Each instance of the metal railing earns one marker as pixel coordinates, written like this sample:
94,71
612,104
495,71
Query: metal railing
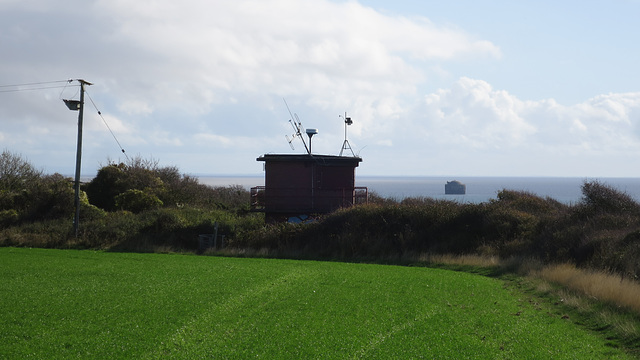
284,199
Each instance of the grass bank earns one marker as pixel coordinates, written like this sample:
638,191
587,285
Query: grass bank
69,303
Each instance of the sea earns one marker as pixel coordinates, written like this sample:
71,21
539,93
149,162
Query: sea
479,189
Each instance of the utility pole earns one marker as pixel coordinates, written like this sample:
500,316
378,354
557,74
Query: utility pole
78,105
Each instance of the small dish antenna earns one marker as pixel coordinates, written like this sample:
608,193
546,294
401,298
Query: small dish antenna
310,133
345,144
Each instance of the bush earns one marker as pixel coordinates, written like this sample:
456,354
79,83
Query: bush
599,198
8,217
29,195
164,183
115,179
137,201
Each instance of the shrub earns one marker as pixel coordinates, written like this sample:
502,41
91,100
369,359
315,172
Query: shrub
29,195
137,201
8,217
527,202
56,197
107,184
110,230
165,183
115,179
598,198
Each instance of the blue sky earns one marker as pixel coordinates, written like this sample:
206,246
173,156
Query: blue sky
490,88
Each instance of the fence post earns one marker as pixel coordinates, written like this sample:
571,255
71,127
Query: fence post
215,235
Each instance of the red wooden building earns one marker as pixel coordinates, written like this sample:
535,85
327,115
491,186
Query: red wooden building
299,186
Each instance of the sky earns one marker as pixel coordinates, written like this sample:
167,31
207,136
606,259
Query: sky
434,88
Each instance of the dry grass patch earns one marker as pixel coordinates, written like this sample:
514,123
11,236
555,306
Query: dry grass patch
601,286
466,260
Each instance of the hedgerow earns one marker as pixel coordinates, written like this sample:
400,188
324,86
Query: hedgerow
139,206
602,231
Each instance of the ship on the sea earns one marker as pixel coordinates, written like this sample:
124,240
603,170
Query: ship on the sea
455,187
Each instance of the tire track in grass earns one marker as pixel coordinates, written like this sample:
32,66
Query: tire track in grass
381,337
187,340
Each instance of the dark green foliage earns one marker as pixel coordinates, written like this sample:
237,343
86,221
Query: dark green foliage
103,189
601,232
115,179
381,231
165,184
137,201
28,195
149,207
8,217
175,229
599,198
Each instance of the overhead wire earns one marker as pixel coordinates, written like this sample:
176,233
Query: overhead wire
42,85
31,89
36,83
107,125
65,87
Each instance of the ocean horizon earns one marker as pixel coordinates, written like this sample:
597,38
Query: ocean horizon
479,189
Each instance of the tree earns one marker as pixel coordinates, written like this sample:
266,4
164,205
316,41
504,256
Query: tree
26,194
16,173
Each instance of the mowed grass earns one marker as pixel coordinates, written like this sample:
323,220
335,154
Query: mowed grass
85,304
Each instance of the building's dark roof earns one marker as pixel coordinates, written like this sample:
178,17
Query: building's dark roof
324,159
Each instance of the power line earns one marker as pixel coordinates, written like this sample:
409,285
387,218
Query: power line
37,83
30,86
108,127
31,89
39,86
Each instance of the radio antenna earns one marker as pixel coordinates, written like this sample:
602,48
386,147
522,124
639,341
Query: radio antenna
297,128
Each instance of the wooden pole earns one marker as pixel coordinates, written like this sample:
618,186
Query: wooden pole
76,218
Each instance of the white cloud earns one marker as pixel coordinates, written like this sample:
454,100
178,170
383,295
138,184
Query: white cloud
213,140
471,112
474,111
471,126
188,77
135,107
317,49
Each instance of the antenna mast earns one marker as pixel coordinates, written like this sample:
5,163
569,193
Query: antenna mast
298,129
345,144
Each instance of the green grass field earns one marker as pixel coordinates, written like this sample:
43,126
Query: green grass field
85,304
